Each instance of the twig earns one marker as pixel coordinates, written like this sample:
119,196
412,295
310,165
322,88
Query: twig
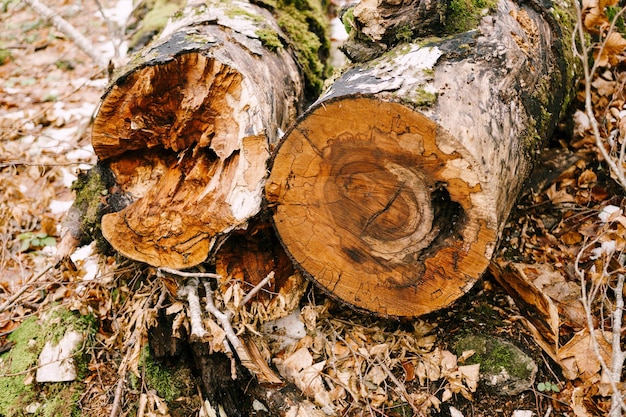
189,274
23,289
588,73
225,318
68,30
587,297
401,387
118,398
143,401
586,301
195,311
257,288
617,357
190,290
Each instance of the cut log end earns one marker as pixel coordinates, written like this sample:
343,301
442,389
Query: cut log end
371,202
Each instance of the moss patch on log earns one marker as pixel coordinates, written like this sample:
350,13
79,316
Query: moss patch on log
305,24
152,16
464,15
563,12
269,39
90,189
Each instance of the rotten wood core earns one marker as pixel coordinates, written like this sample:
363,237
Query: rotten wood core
187,128
181,124
391,191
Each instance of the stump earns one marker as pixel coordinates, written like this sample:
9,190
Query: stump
391,190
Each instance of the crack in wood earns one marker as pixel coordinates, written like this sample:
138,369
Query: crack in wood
373,218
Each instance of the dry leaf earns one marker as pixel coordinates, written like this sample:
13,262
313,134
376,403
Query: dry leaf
470,375
613,46
604,87
577,357
299,369
559,196
578,403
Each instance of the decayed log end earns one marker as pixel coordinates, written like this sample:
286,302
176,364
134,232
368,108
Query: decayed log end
176,137
371,200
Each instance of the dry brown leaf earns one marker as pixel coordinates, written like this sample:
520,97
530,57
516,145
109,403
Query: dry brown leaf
409,371
300,369
524,282
604,87
559,196
577,403
594,16
470,375
577,357
587,178
613,46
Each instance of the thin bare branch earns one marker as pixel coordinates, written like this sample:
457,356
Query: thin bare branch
68,30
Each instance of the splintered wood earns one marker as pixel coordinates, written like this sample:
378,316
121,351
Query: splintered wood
186,129
184,124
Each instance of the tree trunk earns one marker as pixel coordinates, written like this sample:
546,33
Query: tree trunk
391,191
188,125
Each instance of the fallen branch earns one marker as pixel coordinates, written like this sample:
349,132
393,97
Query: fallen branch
195,311
68,30
614,370
117,400
584,50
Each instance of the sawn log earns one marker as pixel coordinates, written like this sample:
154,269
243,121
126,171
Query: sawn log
391,190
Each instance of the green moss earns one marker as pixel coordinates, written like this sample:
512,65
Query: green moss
89,188
269,39
16,362
565,15
404,34
464,15
166,382
157,14
423,98
58,399
611,12
347,18
233,12
61,400
5,56
304,23
493,356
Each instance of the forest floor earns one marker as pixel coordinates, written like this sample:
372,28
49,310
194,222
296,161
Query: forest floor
49,92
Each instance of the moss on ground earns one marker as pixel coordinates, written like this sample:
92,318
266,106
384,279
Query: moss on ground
493,356
18,366
15,364
170,382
